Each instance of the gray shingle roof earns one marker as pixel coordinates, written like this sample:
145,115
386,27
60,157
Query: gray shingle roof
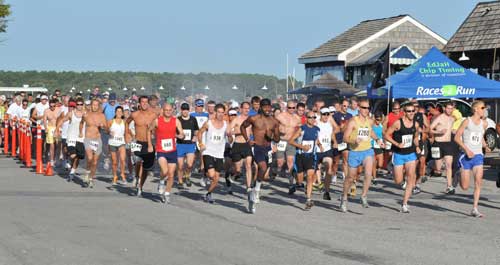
479,31
351,37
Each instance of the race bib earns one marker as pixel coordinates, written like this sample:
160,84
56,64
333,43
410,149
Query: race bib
407,140
388,145
342,146
326,141
135,147
475,138
310,143
167,145
217,138
282,146
71,143
363,133
435,152
187,135
270,157
94,145
376,145
116,140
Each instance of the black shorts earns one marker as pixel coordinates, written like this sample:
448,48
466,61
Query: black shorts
306,162
148,159
227,151
240,151
261,154
328,153
378,151
212,162
78,150
445,148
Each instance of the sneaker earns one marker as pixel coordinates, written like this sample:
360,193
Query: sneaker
208,198
136,181
450,191
123,182
476,213
343,206
91,183
251,202
309,205
188,181
203,182
70,177
161,187
405,209
326,196
139,192
425,178
292,189
180,186
300,186
67,166
374,181
416,190
228,182
86,180
151,174
403,186
364,202
168,199
382,171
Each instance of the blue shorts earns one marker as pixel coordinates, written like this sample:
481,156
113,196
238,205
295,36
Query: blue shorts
261,153
469,163
170,157
356,158
400,160
184,149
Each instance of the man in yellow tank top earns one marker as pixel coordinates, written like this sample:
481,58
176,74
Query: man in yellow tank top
358,135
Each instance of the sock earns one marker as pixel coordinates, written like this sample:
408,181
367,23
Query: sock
257,185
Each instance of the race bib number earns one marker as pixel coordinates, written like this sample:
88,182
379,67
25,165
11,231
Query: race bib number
407,140
435,153
282,146
363,133
71,143
342,146
187,135
94,145
167,145
376,145
475,138
388,145
270,157
135,147
326,142
217,138
310,144
116,140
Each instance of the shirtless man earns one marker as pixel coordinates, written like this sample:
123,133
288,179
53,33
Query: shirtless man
289,121
154,106
49,121
144,158
265,129
93,121
241,150
442,147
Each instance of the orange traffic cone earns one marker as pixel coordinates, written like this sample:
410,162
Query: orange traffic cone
39,162
49,171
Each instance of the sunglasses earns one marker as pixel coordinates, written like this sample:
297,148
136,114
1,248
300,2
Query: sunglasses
483,107
311,117
368,107
232,115
345,106
79,104
52,106
290,107
378,119
410,111
325,114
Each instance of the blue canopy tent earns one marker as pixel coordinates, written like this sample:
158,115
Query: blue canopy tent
436,76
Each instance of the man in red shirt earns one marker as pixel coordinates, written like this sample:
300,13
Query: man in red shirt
392,117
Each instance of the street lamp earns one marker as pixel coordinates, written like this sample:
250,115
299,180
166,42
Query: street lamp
207,88
125,89
142,88
109,89
244,91
133,89
161,88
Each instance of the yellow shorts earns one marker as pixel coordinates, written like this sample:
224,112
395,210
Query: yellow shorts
49,134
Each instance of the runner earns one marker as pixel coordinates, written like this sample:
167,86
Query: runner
265,129
186,147
166,129
116,144
307,160
301,110
255,101
76,149
241,152
144,156
92,121
289,121
213,148
68,105
403,136
327,131
470,137
423,136
201,117
378,162
392,117
442,147
49,121
232,114
357,135
211,109
342,118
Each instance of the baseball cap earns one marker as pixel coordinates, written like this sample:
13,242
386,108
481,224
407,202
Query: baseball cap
184,106
325,110
112,96
72,104
235,104
44,97
331,109
199,102
126,107
233,112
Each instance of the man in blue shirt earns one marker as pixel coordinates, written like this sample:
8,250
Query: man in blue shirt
110,107
353,109
255,106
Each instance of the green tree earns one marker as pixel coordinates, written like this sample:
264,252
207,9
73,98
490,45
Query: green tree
4,13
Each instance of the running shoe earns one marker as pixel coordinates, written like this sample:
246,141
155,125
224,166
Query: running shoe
300,186
450,190
309,205
374,181
91,183
425,178
180,186
334,180
86,180
257,196
251,202
168,199
161,187
403,185
123,182
382,171
343,206
292,189
135,182
364,202
228,182
416,190
203,182
208,198
476,213
68,166
405,209
139,192
70,177
326,196
188,181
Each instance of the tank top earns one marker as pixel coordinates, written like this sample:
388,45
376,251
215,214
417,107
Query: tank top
325,135
309,137
362,131
473,135
165,135
74,130
118,132
405,135
215,140
65,125
378,130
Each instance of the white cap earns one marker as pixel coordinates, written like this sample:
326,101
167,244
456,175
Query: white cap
331,108
105,93
233,112
87,102
44,97
325,110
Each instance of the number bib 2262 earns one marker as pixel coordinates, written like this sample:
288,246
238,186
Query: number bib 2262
363,133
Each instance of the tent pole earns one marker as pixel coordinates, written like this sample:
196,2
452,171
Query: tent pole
389,80
493,66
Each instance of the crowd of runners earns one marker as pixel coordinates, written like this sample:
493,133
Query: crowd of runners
257,141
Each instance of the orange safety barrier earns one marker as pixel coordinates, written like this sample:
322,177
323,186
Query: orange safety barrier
21,140
6,134
28,145
39,162
14,136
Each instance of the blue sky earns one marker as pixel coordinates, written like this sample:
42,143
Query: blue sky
194,36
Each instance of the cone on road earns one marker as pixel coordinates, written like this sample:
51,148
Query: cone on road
49,171
39,162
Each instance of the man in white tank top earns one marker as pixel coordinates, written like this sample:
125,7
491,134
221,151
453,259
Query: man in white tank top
470,138
212,147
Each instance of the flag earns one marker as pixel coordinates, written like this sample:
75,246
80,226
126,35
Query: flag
381,67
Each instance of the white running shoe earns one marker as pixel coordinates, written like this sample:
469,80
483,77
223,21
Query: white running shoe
161,187
203,182
405,209
343,205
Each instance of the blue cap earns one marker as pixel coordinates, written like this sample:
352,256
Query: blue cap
199,102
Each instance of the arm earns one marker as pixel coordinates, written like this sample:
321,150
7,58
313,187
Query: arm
348,131
292,140
203,129
243,127
434,124
44,119
149,134
485,145
82,122
415,138
178,124
276,133
388,134
127,129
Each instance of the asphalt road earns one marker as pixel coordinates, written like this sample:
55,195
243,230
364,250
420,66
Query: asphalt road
46,220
